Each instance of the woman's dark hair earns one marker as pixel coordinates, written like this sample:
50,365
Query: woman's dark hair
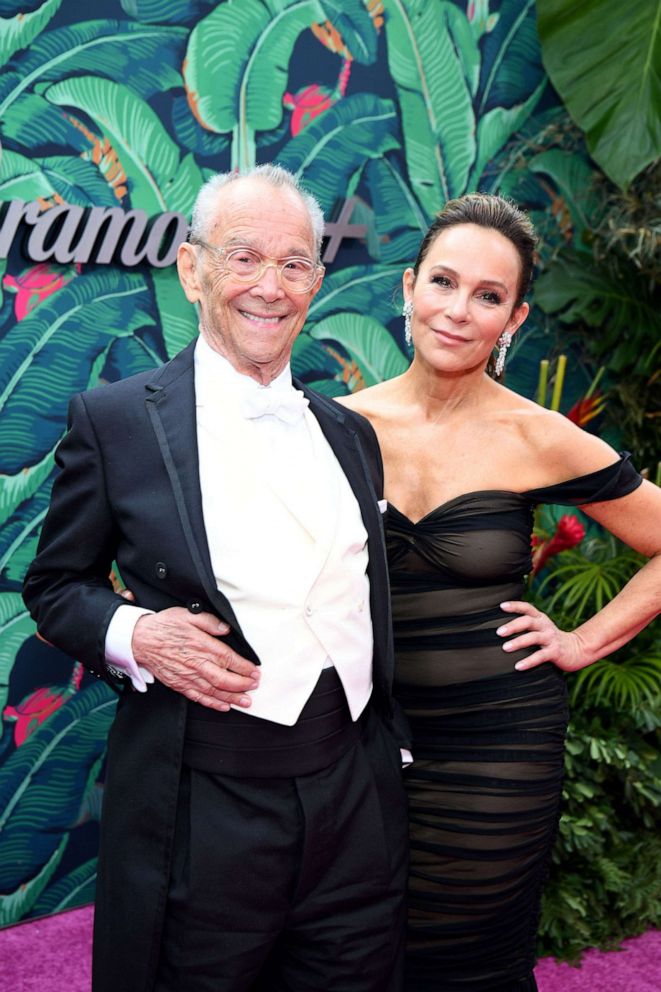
487,210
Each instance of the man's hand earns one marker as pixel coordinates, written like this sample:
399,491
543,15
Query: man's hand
183,651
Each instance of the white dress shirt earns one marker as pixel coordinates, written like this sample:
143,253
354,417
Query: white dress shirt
287,543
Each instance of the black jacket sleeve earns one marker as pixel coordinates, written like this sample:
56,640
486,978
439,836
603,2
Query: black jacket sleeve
67,588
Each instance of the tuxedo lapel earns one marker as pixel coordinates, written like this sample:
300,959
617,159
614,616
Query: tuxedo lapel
170,403
348,450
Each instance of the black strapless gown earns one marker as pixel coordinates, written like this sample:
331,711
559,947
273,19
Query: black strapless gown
484,789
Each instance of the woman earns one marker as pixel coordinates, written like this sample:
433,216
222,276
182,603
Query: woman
477,670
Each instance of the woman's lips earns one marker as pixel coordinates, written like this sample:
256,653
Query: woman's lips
448,338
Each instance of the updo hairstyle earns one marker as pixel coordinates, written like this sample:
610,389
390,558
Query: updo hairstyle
490,211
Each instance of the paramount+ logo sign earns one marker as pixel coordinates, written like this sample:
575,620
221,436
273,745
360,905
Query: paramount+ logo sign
69,233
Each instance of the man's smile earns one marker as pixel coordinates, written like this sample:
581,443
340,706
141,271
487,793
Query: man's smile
272,318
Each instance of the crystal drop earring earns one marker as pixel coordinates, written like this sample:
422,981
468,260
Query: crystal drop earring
407,313
504,341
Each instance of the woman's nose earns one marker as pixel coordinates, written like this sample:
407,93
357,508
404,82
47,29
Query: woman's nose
458,306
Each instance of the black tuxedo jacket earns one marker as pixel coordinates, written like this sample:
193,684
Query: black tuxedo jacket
129,492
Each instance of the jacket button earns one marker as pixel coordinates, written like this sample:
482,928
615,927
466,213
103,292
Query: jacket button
161,569
194,606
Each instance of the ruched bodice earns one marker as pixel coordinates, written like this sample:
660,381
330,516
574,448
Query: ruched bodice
487,740
449,572
475,538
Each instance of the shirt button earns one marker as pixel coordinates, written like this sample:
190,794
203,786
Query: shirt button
194,606
361,606
161,569
308,611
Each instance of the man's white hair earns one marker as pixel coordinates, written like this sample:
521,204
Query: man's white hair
206,202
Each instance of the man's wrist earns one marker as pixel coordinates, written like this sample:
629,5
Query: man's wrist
120,661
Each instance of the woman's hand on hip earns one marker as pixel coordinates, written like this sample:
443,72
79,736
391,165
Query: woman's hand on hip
534,629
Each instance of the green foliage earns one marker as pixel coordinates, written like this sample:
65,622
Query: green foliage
365,340
582,580
368,289
18,31
149,157
611,85
116,50
42,786
352,19
605,288
74,889
333,147
624,685
396,216
164,11
137,112
601,278
248,44
623,312
605,881
55,352
15,628
17,904
434,93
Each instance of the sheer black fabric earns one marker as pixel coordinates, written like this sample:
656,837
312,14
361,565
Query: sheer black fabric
484,789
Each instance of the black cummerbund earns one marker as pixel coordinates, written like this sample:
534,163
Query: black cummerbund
236,744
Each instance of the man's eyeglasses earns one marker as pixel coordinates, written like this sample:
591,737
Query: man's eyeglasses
248,265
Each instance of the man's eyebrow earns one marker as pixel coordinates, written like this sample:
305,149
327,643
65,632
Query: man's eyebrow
485,282
247,242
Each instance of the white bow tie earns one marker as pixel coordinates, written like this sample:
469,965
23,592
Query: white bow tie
286,404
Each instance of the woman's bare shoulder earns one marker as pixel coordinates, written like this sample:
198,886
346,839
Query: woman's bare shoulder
563,449
376,402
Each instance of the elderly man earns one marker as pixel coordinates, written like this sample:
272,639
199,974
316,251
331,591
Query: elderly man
254,824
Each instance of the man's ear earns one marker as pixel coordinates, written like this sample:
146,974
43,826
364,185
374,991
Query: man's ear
188,274
317,286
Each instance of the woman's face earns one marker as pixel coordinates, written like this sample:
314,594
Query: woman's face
463,297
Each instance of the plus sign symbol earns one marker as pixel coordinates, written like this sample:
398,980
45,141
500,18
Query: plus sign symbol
337,230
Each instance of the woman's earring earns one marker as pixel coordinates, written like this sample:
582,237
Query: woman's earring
504,341
407,313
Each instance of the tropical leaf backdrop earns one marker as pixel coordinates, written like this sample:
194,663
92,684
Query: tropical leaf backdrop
399,104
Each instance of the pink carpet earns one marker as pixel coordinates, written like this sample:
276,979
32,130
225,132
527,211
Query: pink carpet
53,955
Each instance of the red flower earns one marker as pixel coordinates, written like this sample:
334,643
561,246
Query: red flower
585,410
32,711
37,284
568,533
306,105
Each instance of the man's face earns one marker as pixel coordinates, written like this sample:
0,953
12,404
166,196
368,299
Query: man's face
252,324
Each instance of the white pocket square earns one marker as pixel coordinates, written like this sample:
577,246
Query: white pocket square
382,504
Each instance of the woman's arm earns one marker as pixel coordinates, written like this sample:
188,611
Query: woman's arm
634,519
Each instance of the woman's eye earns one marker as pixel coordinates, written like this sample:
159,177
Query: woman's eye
441,281
490,297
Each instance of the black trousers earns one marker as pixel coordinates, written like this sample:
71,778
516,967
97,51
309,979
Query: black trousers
290,884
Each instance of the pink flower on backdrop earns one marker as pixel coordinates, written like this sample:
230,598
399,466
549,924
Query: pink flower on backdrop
37,284
568,533
32,711
307,104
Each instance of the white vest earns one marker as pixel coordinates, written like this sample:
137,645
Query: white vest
287,543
